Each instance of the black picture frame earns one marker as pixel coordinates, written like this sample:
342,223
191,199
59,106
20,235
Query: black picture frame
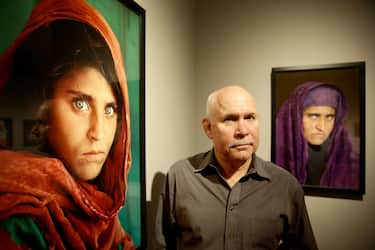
350,79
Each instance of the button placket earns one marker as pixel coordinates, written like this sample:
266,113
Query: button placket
232,230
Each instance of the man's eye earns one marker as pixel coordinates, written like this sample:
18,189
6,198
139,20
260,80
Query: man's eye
250,117
228,120
80,104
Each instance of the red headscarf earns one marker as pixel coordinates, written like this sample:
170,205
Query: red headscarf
72,215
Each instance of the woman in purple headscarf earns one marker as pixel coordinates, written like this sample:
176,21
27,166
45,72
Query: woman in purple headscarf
311,140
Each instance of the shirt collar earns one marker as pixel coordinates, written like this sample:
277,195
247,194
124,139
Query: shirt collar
256,168
208,160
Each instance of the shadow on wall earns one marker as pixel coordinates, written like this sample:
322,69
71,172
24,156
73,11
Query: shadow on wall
152,206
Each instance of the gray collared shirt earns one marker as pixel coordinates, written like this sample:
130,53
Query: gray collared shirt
264,210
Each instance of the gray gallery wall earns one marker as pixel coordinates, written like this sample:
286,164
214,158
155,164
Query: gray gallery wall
193,47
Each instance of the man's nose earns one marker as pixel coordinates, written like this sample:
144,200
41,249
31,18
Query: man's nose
242,128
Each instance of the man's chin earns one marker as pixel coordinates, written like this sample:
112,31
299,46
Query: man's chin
242,155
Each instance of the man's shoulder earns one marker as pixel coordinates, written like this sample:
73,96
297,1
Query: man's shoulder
276,172
191,163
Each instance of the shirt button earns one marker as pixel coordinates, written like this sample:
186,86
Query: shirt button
232,207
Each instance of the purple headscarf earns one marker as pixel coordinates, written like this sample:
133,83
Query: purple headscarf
342,164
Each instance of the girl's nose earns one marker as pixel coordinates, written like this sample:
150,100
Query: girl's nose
96,128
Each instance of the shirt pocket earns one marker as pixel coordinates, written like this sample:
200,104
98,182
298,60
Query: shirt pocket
263,232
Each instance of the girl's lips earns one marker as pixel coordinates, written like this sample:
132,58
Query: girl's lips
94,156
93,152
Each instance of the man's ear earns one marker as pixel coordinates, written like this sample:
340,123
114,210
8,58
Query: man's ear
206,124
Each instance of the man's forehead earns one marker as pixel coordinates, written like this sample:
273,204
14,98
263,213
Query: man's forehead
235,102
235,108
230,100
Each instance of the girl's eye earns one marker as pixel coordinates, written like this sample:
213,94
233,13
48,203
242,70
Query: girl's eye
330,117
313,116
81,104
110,110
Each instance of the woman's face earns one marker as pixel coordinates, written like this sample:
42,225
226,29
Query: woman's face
318,123
82,122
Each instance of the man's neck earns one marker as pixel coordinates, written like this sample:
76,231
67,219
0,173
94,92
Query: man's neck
234,171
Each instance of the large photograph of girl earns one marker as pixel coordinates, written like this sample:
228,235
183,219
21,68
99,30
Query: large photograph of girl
73,68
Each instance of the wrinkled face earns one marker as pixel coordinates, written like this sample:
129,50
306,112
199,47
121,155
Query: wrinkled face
318,122
82,122
233,126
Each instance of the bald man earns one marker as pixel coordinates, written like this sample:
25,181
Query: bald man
228,198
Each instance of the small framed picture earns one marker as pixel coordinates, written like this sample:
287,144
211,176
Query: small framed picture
318,134
6,132
29,139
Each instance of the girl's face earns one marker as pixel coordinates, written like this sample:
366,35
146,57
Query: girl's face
318,123
82,122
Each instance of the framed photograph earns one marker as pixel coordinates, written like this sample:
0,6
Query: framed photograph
318,127
127,20
6,132
29,140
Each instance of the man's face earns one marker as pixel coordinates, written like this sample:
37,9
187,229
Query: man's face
82,122
233,126
318,122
